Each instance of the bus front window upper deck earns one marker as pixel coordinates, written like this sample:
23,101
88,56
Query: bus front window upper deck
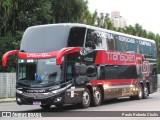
39,71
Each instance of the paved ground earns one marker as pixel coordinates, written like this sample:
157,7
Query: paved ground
124,105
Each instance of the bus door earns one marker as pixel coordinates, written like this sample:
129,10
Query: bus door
76,39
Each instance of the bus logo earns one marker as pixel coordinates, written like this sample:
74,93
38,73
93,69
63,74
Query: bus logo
145,69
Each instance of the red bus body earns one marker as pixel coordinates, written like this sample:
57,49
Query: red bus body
92,65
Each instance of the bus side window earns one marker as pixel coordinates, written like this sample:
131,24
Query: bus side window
70,71
94,39
145,47
153,50
126,44
102,38
111,45
122,45
76,37
110,41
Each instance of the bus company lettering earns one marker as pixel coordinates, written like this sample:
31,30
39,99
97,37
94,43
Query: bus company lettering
35,55
145,69
145,43
126,39
109,35
121,57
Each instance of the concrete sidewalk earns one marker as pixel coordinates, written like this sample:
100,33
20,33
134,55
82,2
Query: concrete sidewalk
8,100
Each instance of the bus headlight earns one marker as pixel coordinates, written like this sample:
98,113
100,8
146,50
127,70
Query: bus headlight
19,92
59,99
19,99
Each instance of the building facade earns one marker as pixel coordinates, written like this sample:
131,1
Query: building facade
117,20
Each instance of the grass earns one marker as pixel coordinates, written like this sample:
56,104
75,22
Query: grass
7,97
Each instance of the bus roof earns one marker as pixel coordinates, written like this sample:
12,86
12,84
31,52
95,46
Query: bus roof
70,25
36,37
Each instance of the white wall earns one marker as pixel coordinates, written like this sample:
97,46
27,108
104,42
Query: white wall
7,84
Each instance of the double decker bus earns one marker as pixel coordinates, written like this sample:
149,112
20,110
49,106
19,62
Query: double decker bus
72,63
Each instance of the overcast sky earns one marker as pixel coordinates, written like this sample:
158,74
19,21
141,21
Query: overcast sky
144,12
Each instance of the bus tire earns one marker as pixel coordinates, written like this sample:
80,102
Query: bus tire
86,98
145,93
59,106
45,107
139,93
97,97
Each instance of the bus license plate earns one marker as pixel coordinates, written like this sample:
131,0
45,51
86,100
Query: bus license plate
36,103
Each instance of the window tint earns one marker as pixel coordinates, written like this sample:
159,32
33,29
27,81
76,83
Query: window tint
154,50
110,41
70,71
45,38
111,72
76,37
145,47
127,72
125,44
148,48
94,39
104,42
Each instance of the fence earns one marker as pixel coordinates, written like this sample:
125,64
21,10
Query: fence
8,84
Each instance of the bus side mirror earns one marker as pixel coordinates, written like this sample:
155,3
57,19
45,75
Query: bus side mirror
6,55
65,51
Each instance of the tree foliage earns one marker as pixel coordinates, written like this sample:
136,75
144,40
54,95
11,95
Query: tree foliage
8,43
17,15
68,10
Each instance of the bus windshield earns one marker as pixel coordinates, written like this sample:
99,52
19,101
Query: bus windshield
45,38
39,72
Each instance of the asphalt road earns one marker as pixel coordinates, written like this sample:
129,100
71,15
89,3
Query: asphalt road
123,104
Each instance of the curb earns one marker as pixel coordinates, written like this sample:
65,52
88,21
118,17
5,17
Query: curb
7,100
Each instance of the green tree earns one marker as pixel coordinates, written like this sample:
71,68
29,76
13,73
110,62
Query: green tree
129,30
144,33
33,12
151,35
68,10
7,16
8,43
138,29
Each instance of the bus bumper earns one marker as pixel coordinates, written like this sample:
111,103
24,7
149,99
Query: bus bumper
52,100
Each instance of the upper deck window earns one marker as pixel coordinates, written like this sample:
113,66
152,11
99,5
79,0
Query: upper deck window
45,38
110,41
76,37
125,44
94,39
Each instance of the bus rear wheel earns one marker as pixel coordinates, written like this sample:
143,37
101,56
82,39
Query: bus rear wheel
139,93
86,98
97,97
45,107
